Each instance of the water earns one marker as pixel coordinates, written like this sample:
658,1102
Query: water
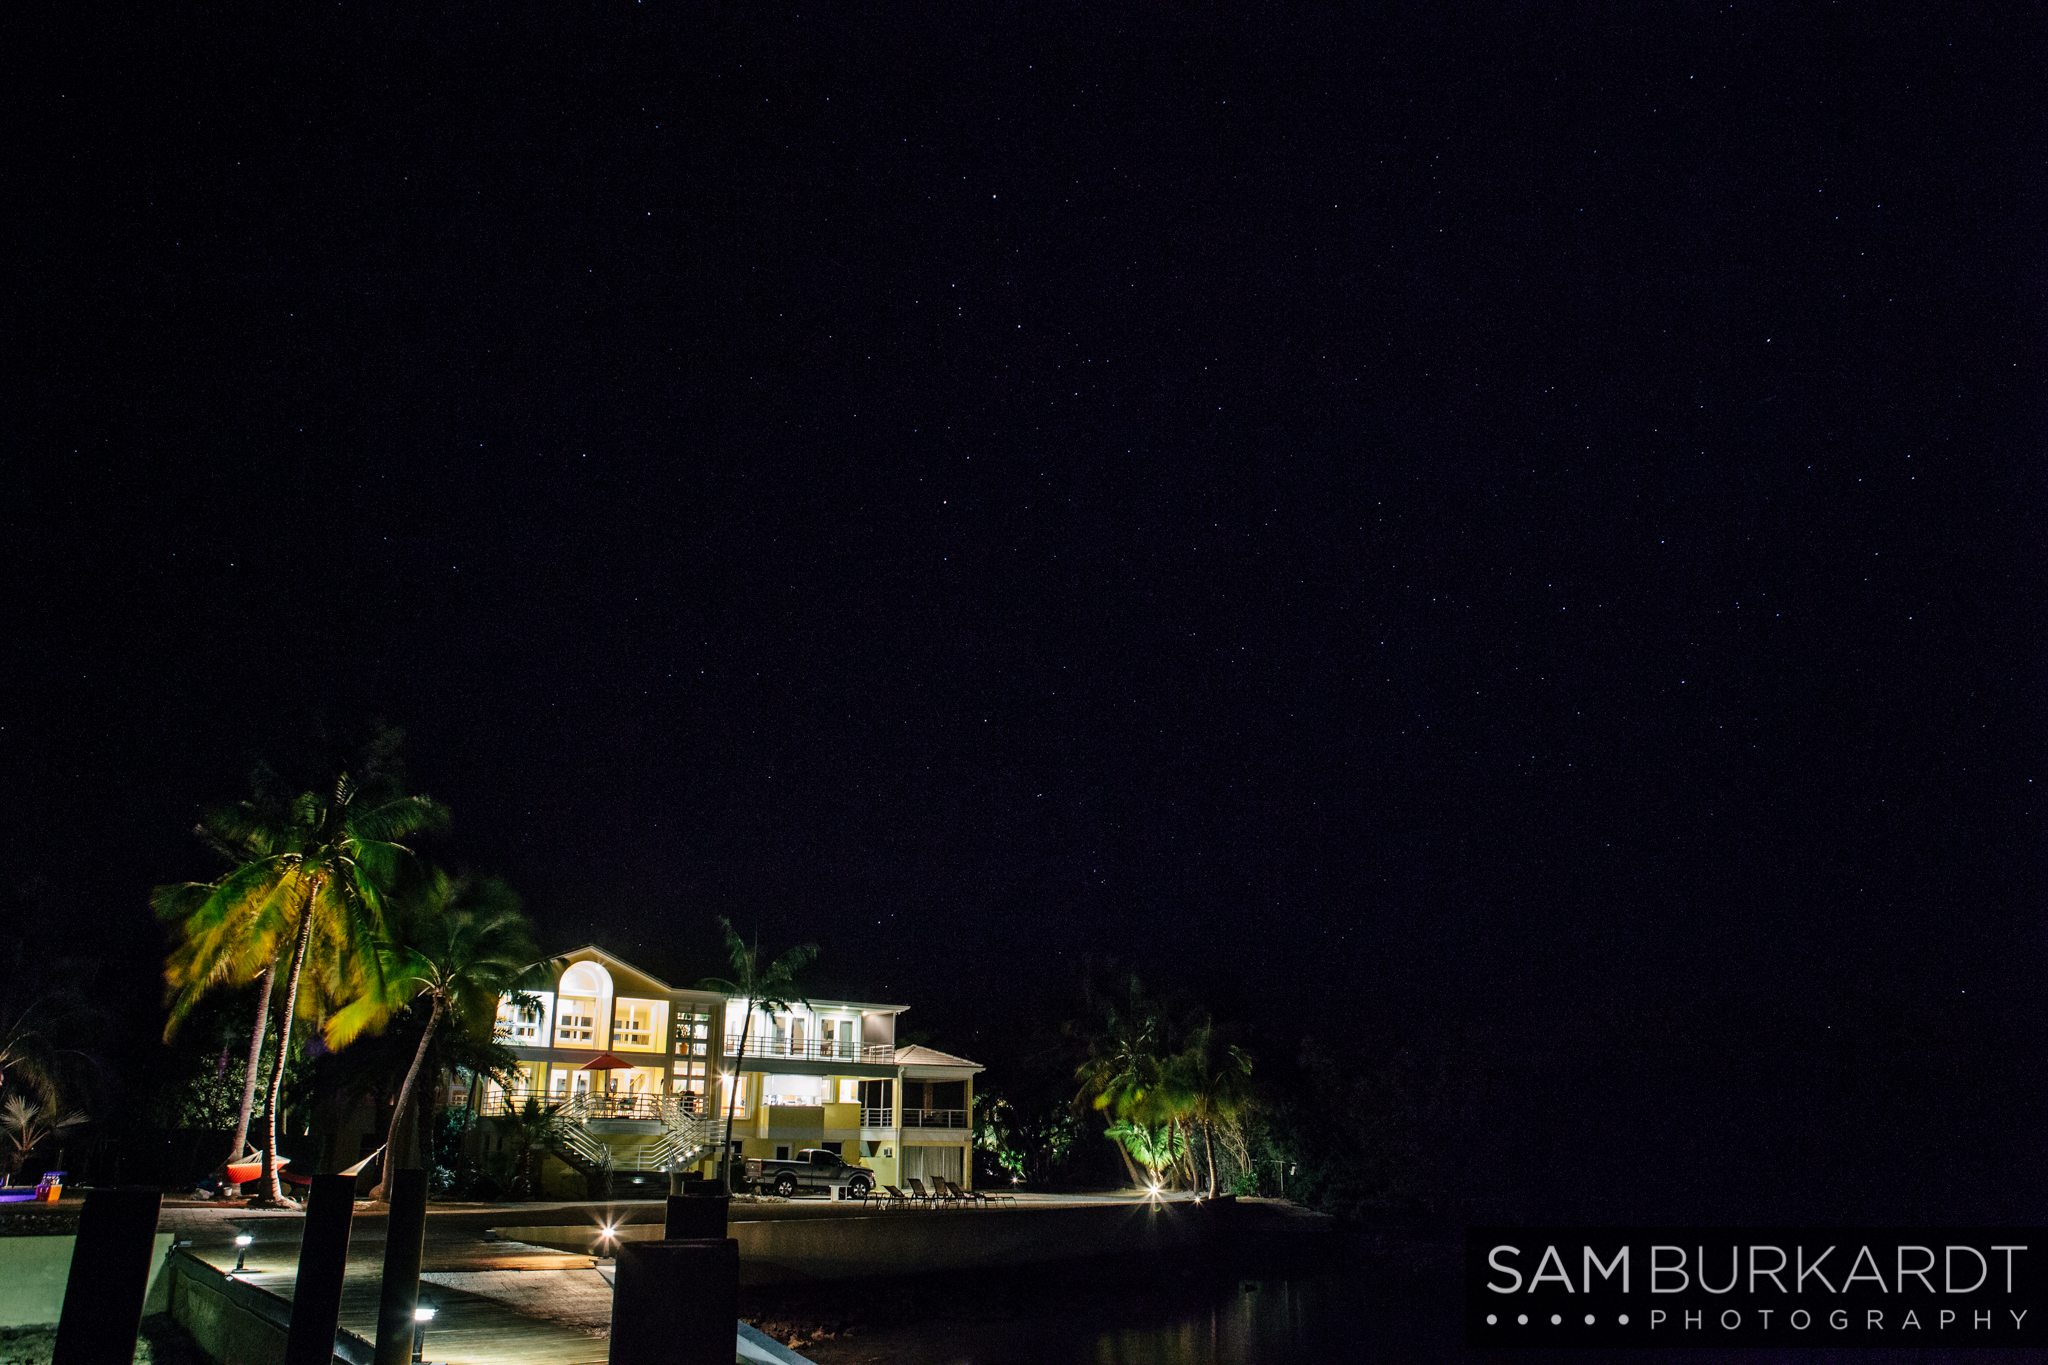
1347,1303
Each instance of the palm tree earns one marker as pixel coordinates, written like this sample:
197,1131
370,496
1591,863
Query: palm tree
1121,1076
50,1016
529,1131
231,930
770,988
31,1058
1209,1081
1156,1145
466,944
343,858
323,867
25,1126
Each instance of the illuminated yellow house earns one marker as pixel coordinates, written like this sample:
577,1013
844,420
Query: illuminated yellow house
640,1077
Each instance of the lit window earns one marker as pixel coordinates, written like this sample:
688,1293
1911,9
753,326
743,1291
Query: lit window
636,1024
523,1025
576,1023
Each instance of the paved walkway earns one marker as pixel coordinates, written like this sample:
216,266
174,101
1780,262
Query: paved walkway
497,1302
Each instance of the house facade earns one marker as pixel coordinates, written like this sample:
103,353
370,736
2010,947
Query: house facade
641,1077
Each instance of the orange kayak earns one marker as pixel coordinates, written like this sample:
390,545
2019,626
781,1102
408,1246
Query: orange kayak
242,1172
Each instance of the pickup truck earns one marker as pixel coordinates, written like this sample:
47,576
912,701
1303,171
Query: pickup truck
813,1168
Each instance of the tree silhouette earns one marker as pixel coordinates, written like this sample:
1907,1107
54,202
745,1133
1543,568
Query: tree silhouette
313,870
465,943
771,987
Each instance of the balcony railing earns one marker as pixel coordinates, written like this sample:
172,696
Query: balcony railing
935,1118
811,1049
589,1106
876,1116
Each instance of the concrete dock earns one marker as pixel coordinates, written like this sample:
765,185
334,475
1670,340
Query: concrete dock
529,1283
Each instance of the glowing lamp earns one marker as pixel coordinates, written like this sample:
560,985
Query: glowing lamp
422,1314
243,1241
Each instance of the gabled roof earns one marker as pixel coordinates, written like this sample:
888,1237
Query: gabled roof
612,959
917,1055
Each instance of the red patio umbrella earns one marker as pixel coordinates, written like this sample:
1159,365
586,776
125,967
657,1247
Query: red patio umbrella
606,1062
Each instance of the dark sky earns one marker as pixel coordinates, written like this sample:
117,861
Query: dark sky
1530,523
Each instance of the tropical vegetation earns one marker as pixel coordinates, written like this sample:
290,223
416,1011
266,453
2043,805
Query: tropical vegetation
1166,1082
1124,1085
326,898
49,1074
25,1126
463,945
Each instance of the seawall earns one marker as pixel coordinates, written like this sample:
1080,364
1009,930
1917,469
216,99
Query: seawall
861,1246
238,1323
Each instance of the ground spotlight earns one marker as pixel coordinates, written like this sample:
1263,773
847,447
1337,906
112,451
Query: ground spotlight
421,1316
243,1241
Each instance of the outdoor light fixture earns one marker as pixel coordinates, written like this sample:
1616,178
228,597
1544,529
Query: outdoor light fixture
243,1241
421,1316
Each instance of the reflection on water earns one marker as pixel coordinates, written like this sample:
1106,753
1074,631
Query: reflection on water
1277,1320
1350,1308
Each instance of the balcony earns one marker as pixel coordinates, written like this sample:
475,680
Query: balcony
935,1118
812,1049
588,1106
877,1116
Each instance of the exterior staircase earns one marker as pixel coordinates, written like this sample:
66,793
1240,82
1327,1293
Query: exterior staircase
618,1156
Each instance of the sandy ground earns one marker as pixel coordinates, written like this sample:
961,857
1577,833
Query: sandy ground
162,1342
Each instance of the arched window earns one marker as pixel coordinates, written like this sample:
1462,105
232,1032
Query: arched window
584,998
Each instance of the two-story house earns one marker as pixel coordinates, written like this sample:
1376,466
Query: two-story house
642,1076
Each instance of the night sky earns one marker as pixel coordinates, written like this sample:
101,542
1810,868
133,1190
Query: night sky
1521,530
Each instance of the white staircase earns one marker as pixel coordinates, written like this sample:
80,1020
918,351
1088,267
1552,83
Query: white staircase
683,1139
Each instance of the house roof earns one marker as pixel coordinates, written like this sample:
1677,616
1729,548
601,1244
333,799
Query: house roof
917,1055
615,960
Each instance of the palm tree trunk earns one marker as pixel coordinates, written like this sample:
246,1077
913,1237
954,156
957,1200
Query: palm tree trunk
284,1043
732,1103
1209,1150
1130,1166
1187,1163
256,1039
412,1076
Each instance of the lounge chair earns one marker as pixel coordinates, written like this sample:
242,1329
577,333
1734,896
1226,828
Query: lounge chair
892,1197
995,1196
975,1197
918,1191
